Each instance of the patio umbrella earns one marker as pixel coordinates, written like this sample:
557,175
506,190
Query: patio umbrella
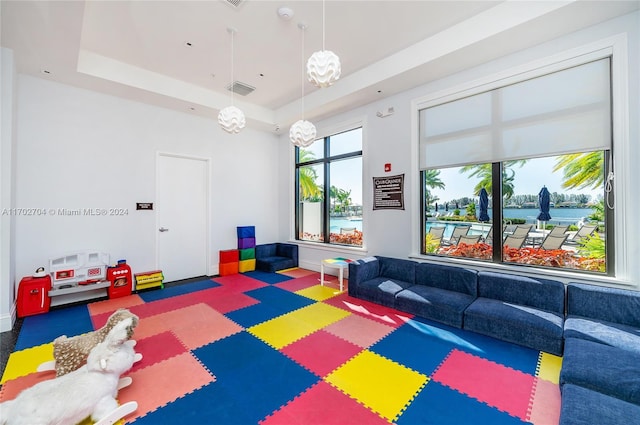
436,206
484,205
544,199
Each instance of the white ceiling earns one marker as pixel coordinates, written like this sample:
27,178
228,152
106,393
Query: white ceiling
138,49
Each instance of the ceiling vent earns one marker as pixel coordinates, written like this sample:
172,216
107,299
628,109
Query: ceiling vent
234,3
240,88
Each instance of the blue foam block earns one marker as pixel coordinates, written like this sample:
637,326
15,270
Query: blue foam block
246,232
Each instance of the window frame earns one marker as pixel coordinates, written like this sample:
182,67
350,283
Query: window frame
326,162
515,69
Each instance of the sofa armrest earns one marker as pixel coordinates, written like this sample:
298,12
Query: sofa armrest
361,271
607,304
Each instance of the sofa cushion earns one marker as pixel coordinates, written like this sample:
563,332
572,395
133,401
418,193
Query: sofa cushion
581,406
543,294
381,290
275,263
398,269
276,256
604,304
524,325
451,278
614,334
434,303
601,368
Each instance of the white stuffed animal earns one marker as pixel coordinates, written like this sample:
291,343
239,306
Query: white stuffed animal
89,390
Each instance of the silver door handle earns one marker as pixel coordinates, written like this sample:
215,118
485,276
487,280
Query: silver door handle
162,229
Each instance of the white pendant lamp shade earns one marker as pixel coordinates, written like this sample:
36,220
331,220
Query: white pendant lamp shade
231,119
302,133
323,68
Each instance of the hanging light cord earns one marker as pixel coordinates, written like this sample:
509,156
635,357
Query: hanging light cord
323,25
232,56
303,28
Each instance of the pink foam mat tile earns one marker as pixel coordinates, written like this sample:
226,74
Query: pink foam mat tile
157,348
13,387
164,382
304,282
359,330
506,389
111,305
194,326
323,405
545,403
321,352
377,312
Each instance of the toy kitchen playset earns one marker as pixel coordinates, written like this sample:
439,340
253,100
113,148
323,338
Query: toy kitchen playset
73,278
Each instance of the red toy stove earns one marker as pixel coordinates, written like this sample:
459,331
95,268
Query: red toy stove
33,295
121,280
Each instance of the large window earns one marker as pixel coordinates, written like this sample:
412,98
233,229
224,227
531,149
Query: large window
329,190
518,174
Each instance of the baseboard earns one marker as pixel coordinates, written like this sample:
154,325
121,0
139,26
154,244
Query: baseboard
7,320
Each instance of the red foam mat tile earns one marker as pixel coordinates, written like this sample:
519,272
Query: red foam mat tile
157,348
545,403
13,387
506,389
323,405
321,352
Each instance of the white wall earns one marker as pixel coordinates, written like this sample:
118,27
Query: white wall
82,149
8,84
394,140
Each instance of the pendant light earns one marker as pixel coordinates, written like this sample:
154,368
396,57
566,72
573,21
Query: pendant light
231,118
323,67
302,133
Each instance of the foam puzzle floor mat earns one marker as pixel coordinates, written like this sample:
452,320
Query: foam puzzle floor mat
279,348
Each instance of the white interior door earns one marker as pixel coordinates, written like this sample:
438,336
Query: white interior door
182,216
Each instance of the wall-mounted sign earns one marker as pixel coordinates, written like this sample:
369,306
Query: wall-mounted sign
144,205
388,193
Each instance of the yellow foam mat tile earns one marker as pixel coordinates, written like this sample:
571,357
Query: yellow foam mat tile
283,330
318,292
24,362
549,367
382,385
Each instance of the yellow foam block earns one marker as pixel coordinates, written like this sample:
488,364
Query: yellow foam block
24,362
246,265
549,367
290,327
318,293
382,385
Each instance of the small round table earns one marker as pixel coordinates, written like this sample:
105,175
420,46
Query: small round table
339,263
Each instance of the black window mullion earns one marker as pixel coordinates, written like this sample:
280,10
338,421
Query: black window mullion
496,205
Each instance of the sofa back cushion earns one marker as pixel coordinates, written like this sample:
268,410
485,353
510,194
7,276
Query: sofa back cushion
266,250
543,294
287,250
600,303
399,269
452,278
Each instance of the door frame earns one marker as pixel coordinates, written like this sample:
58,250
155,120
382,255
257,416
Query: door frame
207,185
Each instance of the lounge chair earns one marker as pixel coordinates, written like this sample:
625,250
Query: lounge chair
553,242
522,230
347,230
584,231
488,238
558,231
455,235
436,233
469,239
514,241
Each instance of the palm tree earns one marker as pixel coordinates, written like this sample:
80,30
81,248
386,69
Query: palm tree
485,171
307,176
344,198
581,169
431,180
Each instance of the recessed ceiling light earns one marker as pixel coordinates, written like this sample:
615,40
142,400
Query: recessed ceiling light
261,74
45,71
188,44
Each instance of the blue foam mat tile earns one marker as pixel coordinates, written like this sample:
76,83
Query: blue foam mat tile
256,377
273,302
437,404
221,408
172,291
429,345
266,277
44,328
253,315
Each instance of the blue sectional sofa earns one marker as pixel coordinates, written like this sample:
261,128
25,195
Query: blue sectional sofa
597,329
523,310
276,256
601,364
